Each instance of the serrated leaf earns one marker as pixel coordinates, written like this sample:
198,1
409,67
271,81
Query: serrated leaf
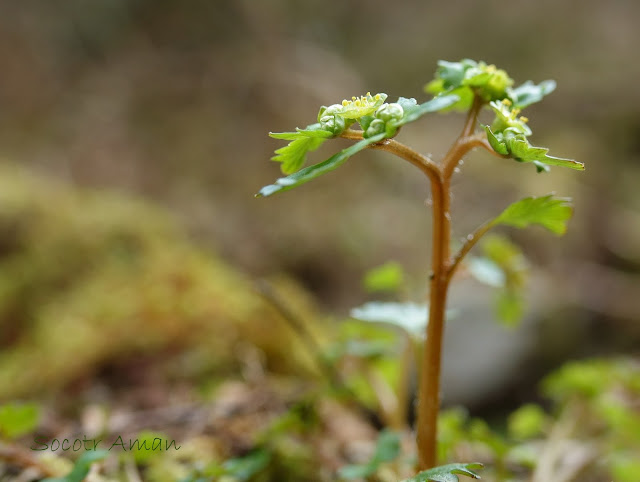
447,473
414,112
309,173
529,93
293,155
548,211
513,142
81,467
520,149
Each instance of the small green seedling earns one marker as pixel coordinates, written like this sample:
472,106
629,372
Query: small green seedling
466,86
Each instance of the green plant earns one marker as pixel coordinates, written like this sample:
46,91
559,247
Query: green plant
464,86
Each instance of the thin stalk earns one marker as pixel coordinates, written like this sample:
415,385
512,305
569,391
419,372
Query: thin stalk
469,243
424,163
429,384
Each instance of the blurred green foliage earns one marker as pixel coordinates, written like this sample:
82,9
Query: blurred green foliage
89,278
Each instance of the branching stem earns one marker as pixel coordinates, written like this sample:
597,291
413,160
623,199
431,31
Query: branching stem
442,268
469,243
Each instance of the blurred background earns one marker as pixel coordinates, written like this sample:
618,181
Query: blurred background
170,103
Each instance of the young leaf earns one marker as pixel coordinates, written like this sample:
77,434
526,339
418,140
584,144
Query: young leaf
414,112
529,93
467,78
547,211
81,467
447,473
311,172
520,149
293,155
515,144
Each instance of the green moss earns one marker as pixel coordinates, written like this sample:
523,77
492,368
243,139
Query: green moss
88,278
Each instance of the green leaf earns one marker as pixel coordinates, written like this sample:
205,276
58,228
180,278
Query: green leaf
520,149
293,155
81,467
509,306
387,448
468,77
414,112
243,468
309,173
486,271
17,419
143,449
625,467
547,211
410,316
388,277
509,260
447,473
512,141
497,142
529,93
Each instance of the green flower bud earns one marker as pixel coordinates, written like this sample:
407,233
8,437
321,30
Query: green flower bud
331,110
377,126
496,86
387,112
333,123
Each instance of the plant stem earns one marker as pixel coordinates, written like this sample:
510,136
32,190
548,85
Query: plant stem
429,386
469,243
442,268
